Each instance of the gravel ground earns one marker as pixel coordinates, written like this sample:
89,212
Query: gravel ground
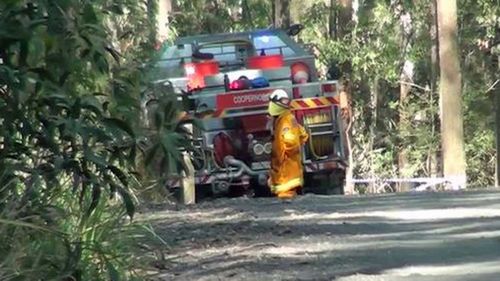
422,236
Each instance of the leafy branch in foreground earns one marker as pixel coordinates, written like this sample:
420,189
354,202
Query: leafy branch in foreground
69,136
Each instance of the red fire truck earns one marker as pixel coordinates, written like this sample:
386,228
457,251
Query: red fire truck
226,79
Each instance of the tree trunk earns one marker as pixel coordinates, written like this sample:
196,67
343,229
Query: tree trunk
162,19
246,13
404,89
296,9
452,135
347,118
497,112
344,18
152,9
373,127
332,19
344,25
404,125
433,154
281,10
340,23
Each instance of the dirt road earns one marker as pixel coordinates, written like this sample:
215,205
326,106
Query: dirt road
425,236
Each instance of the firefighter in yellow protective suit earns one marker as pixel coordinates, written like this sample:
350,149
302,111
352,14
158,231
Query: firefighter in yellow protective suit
286,174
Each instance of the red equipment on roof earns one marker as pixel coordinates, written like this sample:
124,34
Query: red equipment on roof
197,71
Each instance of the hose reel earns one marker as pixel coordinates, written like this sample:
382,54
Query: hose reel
321,135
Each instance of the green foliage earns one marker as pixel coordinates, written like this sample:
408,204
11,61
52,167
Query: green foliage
204,17
55,242
165,131
71,79
377,48
56,124
479,23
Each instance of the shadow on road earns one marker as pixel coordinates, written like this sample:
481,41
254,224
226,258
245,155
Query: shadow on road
432,236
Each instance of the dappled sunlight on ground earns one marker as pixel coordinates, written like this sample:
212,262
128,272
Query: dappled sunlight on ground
453,270
433,236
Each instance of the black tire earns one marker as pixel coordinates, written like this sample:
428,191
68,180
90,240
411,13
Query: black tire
203,192
337,181
260,190
325,183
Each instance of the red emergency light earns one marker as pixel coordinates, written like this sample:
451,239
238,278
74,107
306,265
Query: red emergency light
197,71
300,73
265,62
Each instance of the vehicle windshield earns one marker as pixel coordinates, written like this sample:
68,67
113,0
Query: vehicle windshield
272,45
221,52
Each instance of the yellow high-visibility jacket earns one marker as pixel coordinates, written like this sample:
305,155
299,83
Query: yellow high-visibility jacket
286,172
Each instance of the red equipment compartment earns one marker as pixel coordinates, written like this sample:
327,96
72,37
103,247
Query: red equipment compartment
254,123
197,71
265,62
329,88
223,147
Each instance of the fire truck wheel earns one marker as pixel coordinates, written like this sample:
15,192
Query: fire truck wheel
337,182
325,183
203,192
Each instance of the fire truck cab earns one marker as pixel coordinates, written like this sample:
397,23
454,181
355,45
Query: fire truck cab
224,81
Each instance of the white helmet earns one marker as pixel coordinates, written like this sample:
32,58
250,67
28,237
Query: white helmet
280,97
